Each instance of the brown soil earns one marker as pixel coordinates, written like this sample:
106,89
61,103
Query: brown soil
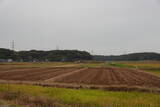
112,76
64,75
81,77
34,74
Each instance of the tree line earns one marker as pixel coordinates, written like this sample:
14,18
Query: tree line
129,57
39,55
71,55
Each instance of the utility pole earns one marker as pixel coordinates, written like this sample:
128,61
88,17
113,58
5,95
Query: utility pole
12,45
92,52
13,53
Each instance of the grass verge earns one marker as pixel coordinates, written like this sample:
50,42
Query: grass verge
78,98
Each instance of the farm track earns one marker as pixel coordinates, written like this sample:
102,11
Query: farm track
81,77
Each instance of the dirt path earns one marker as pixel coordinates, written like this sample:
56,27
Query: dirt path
63,75
68,65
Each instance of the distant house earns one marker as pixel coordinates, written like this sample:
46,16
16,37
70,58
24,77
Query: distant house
3,60
6,60
79,61
9,60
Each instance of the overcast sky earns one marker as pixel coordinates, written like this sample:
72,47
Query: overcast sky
104,26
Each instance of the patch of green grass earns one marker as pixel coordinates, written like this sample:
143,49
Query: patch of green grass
120,65
91,65
157,72
35,64
89,98
147,66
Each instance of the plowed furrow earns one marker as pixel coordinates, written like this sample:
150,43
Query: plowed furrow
16,70
131,79
53,74
122,80
95,76
32,75
5,69
9,75
64,75
90,76
147,79
113,78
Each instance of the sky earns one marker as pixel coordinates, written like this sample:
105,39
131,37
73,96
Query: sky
104,27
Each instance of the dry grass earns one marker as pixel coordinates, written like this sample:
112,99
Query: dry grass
29,101
31,95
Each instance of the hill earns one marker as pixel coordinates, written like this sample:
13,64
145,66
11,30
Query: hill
40,55
129,57
72,55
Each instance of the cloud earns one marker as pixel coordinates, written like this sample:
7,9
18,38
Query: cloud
106,26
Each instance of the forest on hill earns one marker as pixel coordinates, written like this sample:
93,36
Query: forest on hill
39,55
129,57
71,55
